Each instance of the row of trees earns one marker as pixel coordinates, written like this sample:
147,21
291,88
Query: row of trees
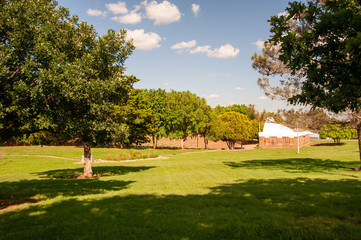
149,115
338,132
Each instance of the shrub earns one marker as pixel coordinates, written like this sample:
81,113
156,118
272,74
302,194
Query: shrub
131,155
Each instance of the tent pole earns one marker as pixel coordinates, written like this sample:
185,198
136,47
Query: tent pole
298,142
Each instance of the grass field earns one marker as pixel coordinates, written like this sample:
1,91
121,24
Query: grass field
256,194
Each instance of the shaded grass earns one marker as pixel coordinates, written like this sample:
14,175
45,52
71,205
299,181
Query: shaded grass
259,194
250,209
295,164
100,170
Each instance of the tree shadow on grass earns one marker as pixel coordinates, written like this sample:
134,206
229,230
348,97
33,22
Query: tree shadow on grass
99,170
62,183
253,209
303,165
31,191
328,144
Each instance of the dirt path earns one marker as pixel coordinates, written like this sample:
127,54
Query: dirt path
24,155
245,147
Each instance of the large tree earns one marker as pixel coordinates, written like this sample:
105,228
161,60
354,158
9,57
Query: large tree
325,45
58,74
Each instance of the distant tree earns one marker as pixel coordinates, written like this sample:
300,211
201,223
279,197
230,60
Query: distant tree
233,108
206,117
184,114
254,129
338,132
57,74
157,103
231,127
253,113
272,69
306,119
137,116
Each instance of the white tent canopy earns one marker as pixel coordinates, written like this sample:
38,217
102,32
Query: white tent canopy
313,135
278,130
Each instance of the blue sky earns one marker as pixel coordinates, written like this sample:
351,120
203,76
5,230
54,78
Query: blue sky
203,46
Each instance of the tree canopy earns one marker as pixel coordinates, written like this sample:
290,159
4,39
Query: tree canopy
231,127
185,111
325,45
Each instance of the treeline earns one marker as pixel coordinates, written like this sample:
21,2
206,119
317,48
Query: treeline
149,115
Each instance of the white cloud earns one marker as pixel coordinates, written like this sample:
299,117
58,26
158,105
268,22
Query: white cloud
162,13
142,40
95,12
225,51
211,75
195,9
131,18
262,98
117,8
212,96
259,44
239,88
184,46
202,49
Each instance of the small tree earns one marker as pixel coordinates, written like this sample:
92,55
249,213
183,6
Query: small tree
231,127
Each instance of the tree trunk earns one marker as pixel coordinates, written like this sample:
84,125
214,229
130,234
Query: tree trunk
231,144
154,141
88,171
181,143
359,140
205,143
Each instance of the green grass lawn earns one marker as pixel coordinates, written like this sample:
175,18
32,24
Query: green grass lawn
257,194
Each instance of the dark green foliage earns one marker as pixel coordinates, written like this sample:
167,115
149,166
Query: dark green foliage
41,138
57,74
325,45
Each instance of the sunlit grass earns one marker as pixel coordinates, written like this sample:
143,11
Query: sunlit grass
257,194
